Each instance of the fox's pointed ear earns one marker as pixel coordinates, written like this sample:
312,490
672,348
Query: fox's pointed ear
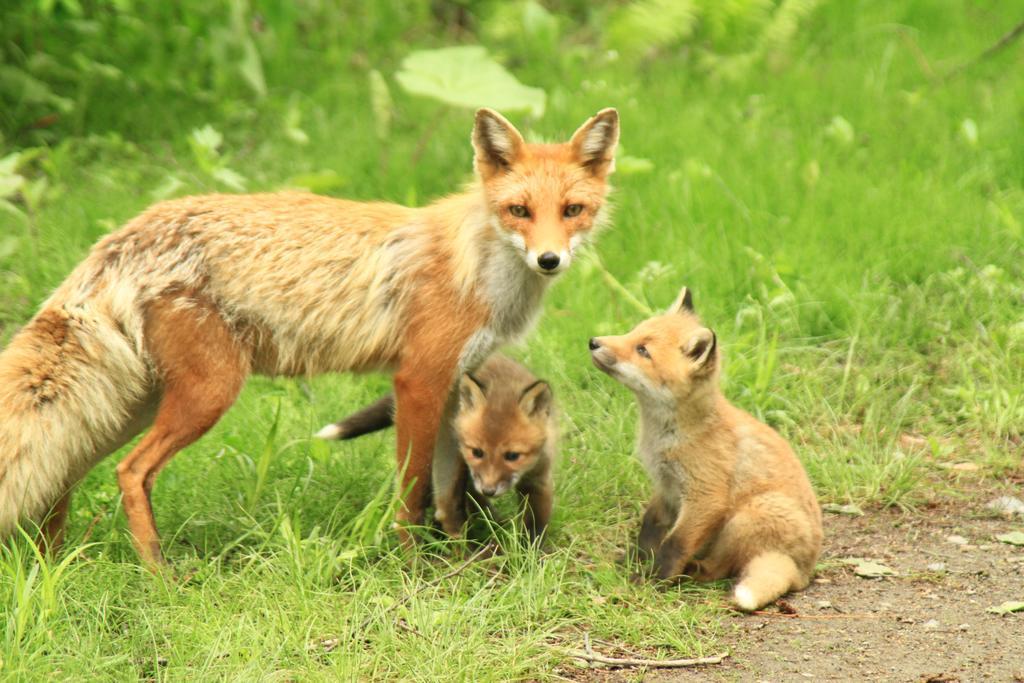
536,398
702,349
683,302
497,143
594,142
472,392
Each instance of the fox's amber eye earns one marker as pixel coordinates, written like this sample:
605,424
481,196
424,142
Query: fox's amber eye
519,211
573,210
511,456
642,350
478,453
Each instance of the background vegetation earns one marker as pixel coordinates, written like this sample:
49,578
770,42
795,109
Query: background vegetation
840,183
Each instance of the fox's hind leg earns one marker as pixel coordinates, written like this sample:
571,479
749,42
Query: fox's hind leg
202,366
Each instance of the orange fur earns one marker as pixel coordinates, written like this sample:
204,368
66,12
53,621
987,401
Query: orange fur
168,315
730,496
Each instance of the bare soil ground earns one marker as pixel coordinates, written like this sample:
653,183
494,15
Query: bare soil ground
926,624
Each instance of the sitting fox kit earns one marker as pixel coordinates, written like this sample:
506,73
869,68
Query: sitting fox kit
506,435
730,497
164,320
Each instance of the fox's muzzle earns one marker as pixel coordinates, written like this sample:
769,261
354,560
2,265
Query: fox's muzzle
602,357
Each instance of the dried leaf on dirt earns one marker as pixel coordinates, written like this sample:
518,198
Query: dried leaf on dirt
1013,538
1007,607
869,569
850,509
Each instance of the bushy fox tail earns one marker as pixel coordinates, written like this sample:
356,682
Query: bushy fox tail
69,383
767,577
374,417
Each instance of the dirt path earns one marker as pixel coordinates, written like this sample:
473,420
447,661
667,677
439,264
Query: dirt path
928,623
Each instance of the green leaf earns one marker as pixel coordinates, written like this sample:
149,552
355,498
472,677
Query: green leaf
10,184
236,181
317,181
380,103
840,130
1013,538
467,77
838,509
647,24
869,569
627,165
1007,607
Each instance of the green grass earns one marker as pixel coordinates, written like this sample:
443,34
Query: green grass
865,288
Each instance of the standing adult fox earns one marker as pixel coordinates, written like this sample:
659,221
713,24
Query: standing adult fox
166,317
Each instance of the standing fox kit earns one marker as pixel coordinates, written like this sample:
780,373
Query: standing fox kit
505,433
166,317
730,496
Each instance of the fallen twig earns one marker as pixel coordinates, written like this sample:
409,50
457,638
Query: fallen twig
630,662
845,615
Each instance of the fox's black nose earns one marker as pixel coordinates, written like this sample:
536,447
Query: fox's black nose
548,260
593,344
489,491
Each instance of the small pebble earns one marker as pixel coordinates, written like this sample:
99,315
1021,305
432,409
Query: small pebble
956,540
931,624
964,627
823,604
937,567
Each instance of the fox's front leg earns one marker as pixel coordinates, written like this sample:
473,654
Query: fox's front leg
695,525
656,523
420,396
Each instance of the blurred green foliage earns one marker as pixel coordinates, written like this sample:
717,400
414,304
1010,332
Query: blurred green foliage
72,67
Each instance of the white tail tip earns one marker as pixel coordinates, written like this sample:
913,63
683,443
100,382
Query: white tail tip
329,433
744,599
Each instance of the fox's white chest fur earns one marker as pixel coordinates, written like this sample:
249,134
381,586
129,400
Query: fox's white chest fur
513,294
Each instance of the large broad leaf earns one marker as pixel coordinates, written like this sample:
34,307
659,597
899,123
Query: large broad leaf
467,77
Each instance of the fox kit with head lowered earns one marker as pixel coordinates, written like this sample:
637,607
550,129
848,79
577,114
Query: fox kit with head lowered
166,317
506,435
730,496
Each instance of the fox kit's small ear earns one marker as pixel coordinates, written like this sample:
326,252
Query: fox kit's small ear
536,398
471,392
594,142
701,349
683,302
497,143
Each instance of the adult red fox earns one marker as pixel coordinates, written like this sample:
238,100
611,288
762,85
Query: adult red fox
166,317
730,496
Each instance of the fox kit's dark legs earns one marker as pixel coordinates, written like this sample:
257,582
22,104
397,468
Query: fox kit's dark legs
450,476
203,368
656,523
51,536
540,497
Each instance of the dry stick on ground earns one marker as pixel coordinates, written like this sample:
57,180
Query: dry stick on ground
1000,45
629,662
454,572
846,615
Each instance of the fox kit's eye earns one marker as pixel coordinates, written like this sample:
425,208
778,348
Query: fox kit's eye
511,456
572,210
642,350
519,211
478,453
